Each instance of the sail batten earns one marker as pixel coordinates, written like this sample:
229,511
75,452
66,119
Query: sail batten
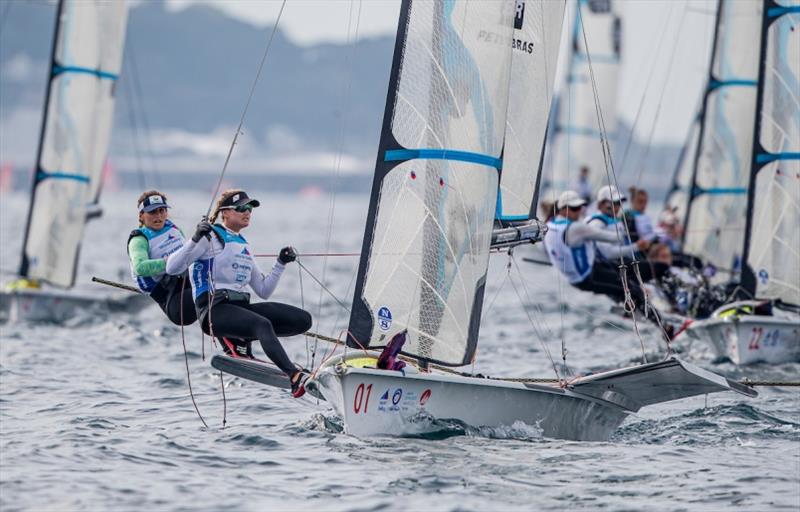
76,127
429,223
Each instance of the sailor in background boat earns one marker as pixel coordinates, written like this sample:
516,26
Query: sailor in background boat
572,248
222,266
640,225
149,246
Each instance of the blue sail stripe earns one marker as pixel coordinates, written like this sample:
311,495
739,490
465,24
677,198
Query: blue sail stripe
393,155
99,73
764,158
715,84
42,175
578,130
600,59
718,191
774,12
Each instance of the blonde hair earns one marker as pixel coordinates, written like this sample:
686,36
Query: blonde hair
144,196
225,195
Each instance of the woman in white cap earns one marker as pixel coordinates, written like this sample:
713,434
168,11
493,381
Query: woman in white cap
149,246
222,266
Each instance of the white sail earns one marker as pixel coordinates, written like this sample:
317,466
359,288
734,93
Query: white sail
577,143
537,36
677,199
773,251
87,57
715,223
426,245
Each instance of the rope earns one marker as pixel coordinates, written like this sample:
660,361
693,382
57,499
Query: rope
246,107
186,360
541,380
323,287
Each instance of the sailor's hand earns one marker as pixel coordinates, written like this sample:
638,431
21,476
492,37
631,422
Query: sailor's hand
287,255
642,244
203,230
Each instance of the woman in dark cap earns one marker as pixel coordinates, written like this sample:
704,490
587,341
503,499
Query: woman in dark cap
221,266
149,246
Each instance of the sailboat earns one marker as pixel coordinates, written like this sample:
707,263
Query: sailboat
76,129
436,198
745,202
576,135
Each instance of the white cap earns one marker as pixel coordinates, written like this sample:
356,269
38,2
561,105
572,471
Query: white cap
609,193
570,198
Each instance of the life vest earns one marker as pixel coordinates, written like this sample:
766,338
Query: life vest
574,262
227,265
160,244
612,225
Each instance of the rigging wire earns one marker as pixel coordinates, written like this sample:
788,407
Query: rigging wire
134,132
346,94
647,147
139,98
648,83
246,107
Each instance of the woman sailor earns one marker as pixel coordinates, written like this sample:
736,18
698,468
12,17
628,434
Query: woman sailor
149,246
221,266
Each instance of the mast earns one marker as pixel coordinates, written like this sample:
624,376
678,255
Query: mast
24,263
761,157
702,128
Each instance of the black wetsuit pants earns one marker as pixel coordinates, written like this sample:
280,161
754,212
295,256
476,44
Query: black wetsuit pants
264,321
605,279
174,296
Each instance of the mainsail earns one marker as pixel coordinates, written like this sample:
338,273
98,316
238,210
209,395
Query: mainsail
577,136
714,225
537,37
76,129
772,237
426,245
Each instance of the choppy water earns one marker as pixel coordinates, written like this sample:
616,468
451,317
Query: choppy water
95,415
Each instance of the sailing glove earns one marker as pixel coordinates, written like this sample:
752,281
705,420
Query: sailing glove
287,255
203,230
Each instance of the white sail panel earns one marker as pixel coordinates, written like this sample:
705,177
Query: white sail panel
678,197
75,138
716,220
537,38
426,246
577,143
774,253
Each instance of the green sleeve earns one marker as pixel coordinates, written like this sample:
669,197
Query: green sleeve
138,253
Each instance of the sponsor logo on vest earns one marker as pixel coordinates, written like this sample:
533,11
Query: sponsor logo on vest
763,276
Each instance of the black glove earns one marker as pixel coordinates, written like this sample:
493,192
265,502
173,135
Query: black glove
203,230
287,255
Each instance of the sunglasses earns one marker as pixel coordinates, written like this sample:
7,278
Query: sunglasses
576,208
239,209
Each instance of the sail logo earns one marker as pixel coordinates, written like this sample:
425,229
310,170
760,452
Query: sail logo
519,14
384,318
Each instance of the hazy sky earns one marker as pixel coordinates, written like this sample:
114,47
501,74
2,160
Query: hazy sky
678,70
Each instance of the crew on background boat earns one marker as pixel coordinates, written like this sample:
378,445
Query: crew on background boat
639,223
149,246
571,246
584,187
221,266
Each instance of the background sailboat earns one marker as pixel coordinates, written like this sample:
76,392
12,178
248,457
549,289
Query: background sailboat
757,207
76,129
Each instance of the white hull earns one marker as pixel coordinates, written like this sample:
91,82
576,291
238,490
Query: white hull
375,402
57,306
750,339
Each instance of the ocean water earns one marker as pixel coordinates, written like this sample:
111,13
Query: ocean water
96,414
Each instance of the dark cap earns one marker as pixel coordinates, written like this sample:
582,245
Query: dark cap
153,202
238,199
